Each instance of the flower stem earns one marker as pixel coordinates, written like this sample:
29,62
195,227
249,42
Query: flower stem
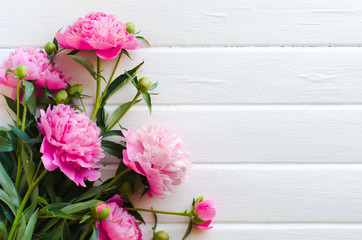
186,214
17,102
98,93
112,182
89,226
24,118
125,111
111,78
23,204
19,168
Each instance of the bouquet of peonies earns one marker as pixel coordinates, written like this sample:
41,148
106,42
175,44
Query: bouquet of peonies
50,158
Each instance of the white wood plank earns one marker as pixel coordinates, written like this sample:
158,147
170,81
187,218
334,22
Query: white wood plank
258,134
264,231
258,193
237,75
190,23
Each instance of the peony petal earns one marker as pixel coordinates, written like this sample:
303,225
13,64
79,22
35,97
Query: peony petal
109,53
204,226
102,234
78,43
61,38
132,45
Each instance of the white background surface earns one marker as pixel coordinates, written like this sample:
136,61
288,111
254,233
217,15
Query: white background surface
267,95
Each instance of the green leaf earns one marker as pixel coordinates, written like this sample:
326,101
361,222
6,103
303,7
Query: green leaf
119,82
5,198
146,96
31,103
124,51
75,51
6,145
28,90
51,58
30,227
188,230
115,117
113,148
55,41
95,234
135,214
78,207
21,230
22,135
85,218
113,133
8,186
143,39
153,86
3,231
12,104
91,192
28,164
156,220
66,234
86,63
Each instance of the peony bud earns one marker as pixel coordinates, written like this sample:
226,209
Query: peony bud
77,88
101,211
61,96
161,235
21,71
126,188
144,84
130,28
50,48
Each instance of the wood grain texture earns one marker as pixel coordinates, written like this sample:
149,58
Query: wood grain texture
195,22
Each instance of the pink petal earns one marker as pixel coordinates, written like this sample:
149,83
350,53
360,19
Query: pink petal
102,234
78,43
110,53
204,226
62,40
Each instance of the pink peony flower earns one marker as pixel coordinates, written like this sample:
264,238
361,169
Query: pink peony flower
71,142
157,154
204,213
98,31
119,225
39,68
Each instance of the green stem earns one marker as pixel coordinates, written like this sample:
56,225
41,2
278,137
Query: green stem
112,182
98,93
19,168
17,102
111,78
24,118
186,214
23,204
84,109
125,111
85,233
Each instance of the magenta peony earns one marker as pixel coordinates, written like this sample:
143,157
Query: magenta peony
204,212
71,143
98,31
157,154
119,225
40,70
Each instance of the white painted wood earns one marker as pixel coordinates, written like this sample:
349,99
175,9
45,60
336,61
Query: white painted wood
268,193
195,23
264,231
237,75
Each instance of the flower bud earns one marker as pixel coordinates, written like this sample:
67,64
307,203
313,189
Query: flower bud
130,28
144,84
21,71
126,188
77,88
61,96
101,211
50,48
161,235
199,199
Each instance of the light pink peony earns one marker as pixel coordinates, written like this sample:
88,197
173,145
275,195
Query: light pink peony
98,31
205,212
71,143
119,225
39,68
157,154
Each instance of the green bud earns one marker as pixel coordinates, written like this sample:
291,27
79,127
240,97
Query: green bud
21,71
199,199
50,48
130,28
61,96
126,188
144,84
161,235
104,211
77,88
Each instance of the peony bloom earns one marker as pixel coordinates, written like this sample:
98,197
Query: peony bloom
98,31
71,142
157,154
39,68
119,225
203,213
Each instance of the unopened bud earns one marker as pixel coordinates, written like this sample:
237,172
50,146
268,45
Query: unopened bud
77,88
126,188
21,71
144,84
61,96
130,28
161,235
50,48
101,211
199,199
